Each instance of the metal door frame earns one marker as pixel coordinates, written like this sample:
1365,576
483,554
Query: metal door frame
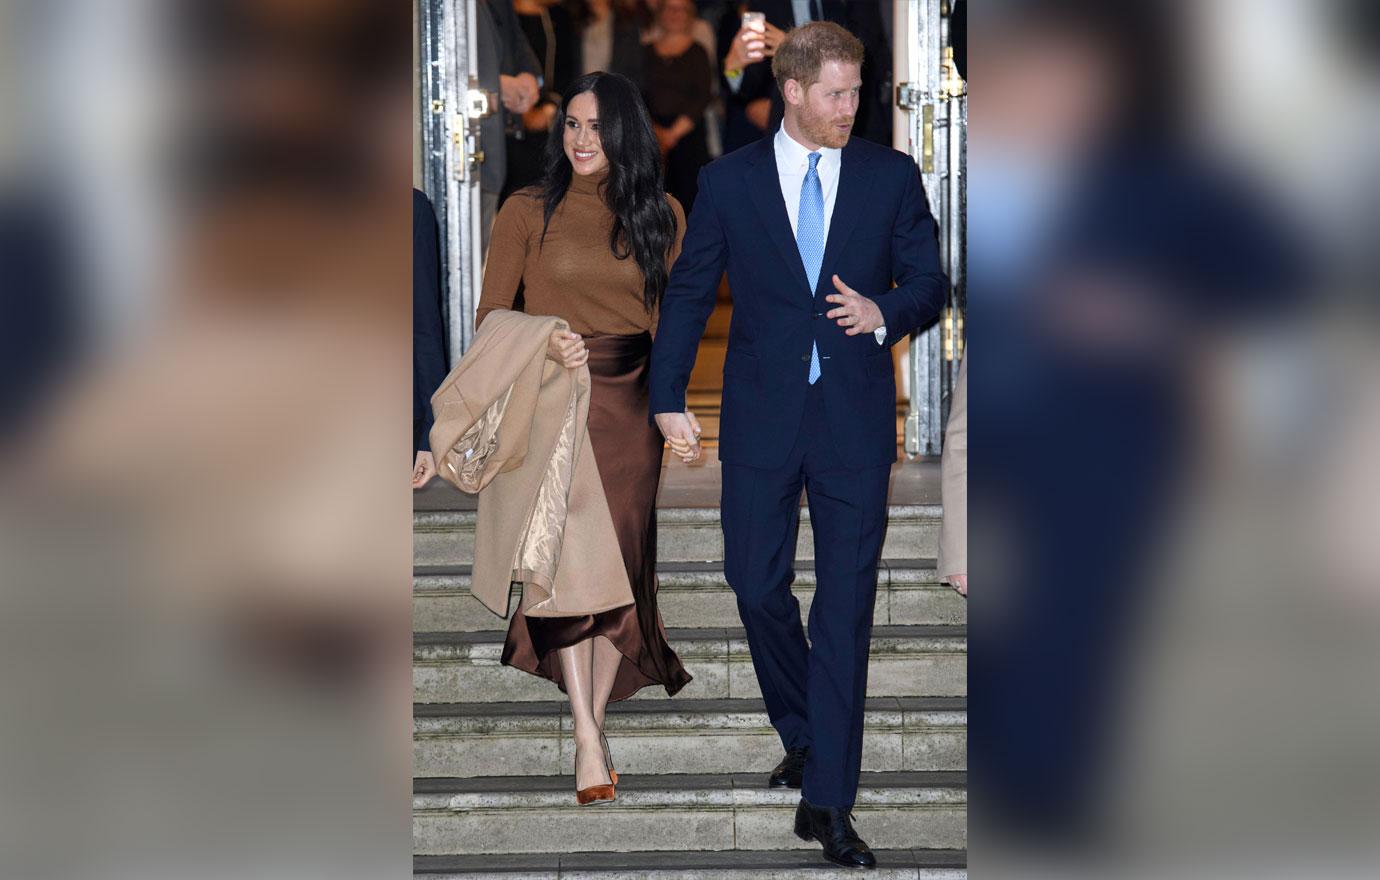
932,126
451,107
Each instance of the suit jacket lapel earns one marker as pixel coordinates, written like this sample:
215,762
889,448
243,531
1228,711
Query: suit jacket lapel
855,178
764,187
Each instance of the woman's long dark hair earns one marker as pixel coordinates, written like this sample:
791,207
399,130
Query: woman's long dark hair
644,227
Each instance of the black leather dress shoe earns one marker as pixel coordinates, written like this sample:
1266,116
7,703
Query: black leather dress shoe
833,828
791,771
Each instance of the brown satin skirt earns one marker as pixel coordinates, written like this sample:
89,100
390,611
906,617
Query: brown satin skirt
627,449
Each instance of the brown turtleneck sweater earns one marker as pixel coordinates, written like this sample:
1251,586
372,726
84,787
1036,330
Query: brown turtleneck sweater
573,274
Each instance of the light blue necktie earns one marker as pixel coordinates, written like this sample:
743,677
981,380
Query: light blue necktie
809,238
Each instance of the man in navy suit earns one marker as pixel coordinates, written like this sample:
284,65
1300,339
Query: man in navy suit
813,228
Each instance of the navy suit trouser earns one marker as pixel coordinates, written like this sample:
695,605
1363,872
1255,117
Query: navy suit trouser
814,693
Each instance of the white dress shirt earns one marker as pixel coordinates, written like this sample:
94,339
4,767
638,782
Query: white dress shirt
792,163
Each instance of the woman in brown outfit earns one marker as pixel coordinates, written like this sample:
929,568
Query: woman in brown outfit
593,244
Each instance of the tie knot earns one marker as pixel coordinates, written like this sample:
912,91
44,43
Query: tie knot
814,160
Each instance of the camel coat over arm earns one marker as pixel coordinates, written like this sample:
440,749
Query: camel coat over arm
511,426
953,533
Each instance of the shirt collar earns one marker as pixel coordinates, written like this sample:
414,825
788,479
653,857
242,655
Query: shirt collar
791,154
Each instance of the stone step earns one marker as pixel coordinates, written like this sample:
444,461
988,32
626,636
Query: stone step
537,814
684,534
691,594
731,865
671,736
906,661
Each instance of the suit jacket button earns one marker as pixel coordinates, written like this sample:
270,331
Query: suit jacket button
805,358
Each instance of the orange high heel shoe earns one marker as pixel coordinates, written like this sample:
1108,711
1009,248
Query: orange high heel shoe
594,794
608,758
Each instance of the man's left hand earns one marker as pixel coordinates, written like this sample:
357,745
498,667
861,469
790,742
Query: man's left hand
855,313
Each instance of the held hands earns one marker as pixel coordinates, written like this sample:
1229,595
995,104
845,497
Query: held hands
519,93
567,348
855,312
960,583
682,432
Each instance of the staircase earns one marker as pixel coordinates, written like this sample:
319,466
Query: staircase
493,755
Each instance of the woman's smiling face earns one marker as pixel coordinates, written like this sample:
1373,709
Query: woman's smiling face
581,136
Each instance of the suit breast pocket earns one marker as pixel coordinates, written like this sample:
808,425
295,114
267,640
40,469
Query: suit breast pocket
872,235
870,242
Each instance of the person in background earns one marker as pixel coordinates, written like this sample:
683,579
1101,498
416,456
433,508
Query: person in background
703,30
753,103
509,69
550,31
428,332
700,29
746,99
677,94
610,33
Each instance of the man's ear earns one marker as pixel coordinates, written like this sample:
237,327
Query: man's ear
794,92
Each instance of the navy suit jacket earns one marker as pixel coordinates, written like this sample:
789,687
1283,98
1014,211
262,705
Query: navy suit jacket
881,231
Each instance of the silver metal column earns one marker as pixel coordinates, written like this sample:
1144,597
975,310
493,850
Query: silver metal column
935,133
451,108
955,239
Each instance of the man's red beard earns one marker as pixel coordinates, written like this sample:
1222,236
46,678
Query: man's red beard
823,132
